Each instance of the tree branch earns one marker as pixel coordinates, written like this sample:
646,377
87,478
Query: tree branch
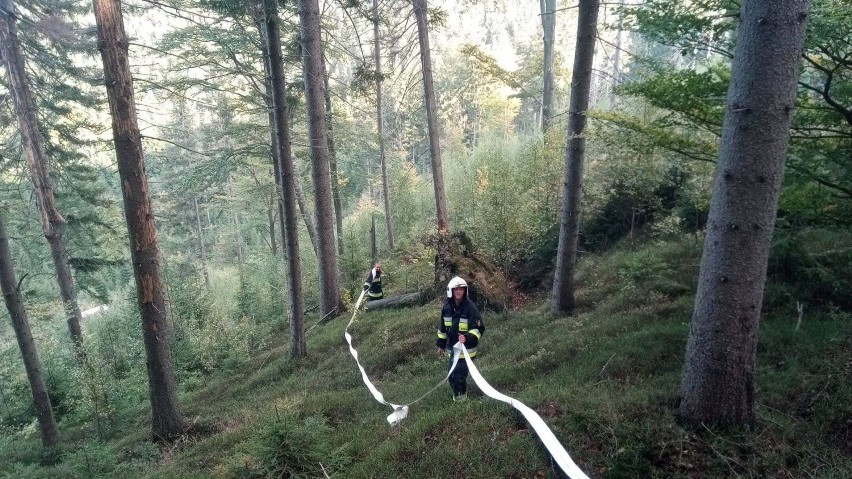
145,137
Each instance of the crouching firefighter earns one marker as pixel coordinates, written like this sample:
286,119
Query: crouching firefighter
460,322
373,284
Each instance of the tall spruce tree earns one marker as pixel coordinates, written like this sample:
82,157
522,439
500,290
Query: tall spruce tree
285,173
380,125
167,422
548,26
444,256
52,222
718,386
331,301
332,162
562,296
26,344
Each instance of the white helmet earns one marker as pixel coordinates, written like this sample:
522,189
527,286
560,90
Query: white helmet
454,283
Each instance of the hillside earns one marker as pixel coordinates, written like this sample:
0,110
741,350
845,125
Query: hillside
606,382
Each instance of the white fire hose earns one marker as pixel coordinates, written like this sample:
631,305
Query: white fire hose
400,411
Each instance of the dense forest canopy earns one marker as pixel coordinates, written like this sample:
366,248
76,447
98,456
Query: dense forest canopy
342,134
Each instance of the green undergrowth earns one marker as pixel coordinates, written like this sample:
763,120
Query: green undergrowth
605,381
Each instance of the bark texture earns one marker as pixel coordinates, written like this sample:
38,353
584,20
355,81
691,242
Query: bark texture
296,182
718,377
26,344
380,125
443,258
562,298
332,164
331,301
401,301
52,222
275,150
167,422
287,171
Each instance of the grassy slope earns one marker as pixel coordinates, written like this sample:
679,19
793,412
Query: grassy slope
605,381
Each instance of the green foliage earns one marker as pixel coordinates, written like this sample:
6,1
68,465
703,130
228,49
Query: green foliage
606,382
643,266
18,410
262,294
812,266
210,331
474,100
55,355
685,81
365,78
809,204
66,105
691,96
692,27
504,195
109,384
91,460
631,186
293,447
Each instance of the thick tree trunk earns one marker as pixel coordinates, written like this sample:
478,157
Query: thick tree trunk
287,170
718,375
380,126
431,117
52,222
562,298
548,22
331,301
167,421
443,258
15,305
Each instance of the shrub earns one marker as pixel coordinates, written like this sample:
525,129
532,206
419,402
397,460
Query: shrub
809,266
294,448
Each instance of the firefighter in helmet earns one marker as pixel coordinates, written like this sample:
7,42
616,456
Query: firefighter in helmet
460,322
373,284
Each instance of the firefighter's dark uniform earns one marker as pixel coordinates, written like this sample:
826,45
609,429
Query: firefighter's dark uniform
465,319
373,285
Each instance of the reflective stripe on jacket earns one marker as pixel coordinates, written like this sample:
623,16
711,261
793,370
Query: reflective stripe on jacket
462,319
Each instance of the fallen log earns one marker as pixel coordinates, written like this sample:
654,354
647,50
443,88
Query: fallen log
403,300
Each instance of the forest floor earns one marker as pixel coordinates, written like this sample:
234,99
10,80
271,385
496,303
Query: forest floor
605,381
